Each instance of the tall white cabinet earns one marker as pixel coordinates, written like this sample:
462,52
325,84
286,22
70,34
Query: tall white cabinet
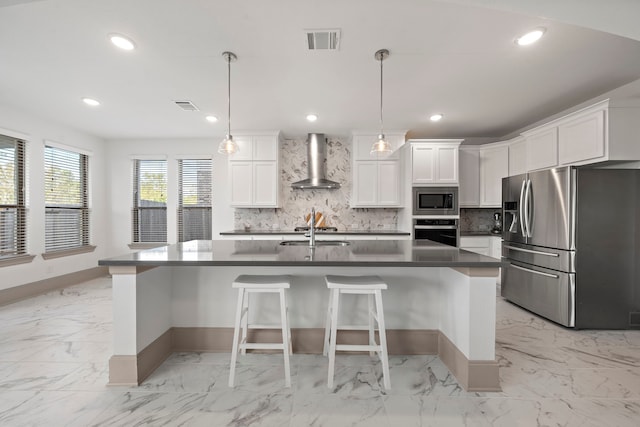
481,171
376,179
253,171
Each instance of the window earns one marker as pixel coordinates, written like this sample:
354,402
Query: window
194,199
149,201
66,200
13,211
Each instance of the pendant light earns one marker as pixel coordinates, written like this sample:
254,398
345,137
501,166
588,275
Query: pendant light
381,146
228,145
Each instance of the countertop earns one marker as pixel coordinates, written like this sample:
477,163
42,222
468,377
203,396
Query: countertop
337,233
379,253
479,233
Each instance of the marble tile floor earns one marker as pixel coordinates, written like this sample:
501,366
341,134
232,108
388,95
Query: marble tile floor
55,347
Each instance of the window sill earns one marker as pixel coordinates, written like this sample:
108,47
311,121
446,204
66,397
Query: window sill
146,245
68,252
20,259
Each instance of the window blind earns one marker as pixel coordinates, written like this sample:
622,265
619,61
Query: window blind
13,212
194,199
66,199
149,216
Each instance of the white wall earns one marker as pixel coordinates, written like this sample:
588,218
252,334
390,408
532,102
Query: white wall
119,159
36,131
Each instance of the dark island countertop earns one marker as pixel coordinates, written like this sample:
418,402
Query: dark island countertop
374,253
319,232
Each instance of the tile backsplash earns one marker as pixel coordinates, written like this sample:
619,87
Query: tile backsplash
334,204
477,219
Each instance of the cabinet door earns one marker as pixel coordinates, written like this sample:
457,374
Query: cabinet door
241,176
469,192
362,147
542,149
423,164
496,247
265,148
245,148
582,138
265,184
365,183
447,165
518,158
494,165
388,183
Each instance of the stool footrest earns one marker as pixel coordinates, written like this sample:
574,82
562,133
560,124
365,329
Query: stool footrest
261,346
357,347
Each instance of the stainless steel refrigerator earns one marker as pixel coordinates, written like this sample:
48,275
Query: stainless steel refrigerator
572,237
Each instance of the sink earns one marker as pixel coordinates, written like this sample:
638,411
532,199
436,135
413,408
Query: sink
318,243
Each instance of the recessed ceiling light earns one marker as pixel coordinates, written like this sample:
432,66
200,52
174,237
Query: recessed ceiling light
211,119
436,117
530,37
123,42
312,117
90,101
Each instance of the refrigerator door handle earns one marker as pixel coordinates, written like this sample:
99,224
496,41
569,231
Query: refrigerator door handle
521,209
529,251
527,207
554,276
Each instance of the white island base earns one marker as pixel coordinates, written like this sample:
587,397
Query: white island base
446,311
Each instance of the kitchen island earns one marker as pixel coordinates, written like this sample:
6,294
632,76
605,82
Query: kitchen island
441,300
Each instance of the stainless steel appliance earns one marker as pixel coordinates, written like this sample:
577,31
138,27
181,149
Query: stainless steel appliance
570,235
316,164
435,201
438,230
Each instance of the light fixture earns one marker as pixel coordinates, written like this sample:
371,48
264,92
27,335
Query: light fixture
91,102
312,117
123,42
228,145
381,145
212,119
436,117
530,37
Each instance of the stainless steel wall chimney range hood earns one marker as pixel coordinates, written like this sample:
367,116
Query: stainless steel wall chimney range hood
316,157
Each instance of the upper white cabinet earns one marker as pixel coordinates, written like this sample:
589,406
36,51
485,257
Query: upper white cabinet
494,165
469,191
597,133
376,179
517,156
541,147
434,161
253,171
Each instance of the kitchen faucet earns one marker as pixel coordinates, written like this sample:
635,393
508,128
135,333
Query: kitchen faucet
311,234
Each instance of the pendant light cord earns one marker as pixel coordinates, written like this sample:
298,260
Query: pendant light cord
229,94
381,129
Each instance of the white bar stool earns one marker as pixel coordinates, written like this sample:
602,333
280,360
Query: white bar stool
371,286
248,284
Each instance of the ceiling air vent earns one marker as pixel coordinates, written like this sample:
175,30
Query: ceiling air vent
186,105
323,39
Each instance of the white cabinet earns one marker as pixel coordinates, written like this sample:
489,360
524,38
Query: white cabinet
434,162
496,247
376,181
494,165
469,190
582,138
253,171
484,245
542,148
517,156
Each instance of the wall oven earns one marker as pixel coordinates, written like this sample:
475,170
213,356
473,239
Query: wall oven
438,230
435,201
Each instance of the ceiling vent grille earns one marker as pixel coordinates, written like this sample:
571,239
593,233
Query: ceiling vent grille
323,39
187,105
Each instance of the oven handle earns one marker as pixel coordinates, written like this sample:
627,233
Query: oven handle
435,227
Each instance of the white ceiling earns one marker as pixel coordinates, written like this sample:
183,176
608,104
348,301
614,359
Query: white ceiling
447,57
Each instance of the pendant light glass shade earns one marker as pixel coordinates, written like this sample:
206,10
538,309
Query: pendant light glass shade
228,145
381,146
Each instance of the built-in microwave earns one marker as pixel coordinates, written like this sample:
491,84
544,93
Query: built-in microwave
435,201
